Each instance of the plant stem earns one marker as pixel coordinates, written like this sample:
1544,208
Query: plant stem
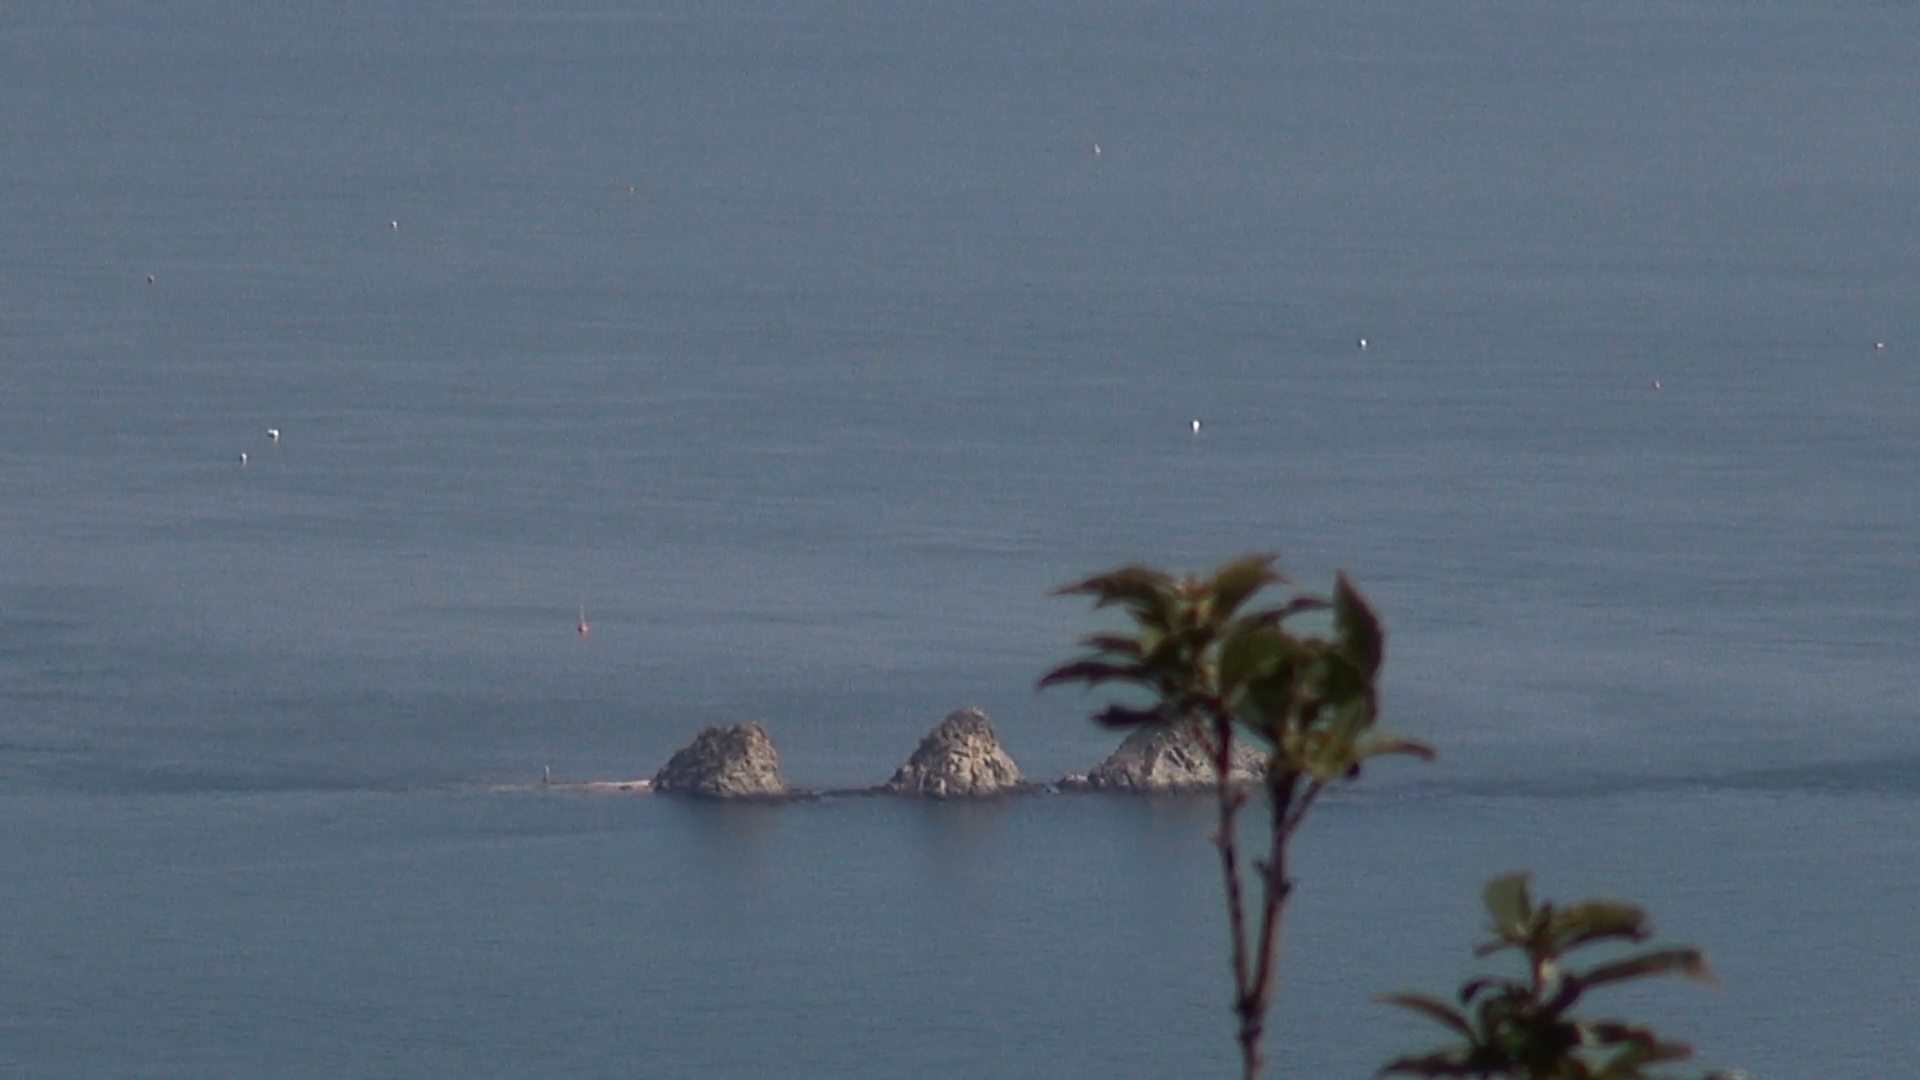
1276,888
1248,1005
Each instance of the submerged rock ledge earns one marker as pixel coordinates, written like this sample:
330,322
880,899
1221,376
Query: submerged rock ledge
961,758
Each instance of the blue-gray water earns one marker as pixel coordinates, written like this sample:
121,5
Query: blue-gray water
808,346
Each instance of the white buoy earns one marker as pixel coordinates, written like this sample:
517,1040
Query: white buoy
1656,384
393,225
273,433
1096,149
1196,427
1877,346
1363,344
243,459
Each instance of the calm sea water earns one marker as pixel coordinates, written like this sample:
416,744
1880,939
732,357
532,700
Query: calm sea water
808,346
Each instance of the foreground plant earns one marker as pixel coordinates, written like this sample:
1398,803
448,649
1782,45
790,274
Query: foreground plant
1219,670
1525,1028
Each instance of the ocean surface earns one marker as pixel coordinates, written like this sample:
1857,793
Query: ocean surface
807,346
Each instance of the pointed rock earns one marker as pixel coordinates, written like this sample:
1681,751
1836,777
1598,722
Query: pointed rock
961,758
1165,760
733,762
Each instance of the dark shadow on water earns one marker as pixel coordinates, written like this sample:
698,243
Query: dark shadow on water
959,826
732,825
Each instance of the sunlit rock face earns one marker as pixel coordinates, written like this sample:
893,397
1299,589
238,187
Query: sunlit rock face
961,758
1165,760
731,762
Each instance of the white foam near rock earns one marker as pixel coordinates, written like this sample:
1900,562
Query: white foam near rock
960,758
731,762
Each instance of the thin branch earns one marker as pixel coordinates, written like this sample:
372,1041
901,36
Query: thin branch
1289,824
1230,800
1276,888
1219,746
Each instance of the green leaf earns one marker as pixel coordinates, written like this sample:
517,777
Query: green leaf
1358,628
1525,1029
1510,905
1431,1008
1246,653
1338,678
1689,964
1599,920
1114,584
1331,743
1237,581
1274,699
1323,756
1472,987
1120,716
1093,672
1147,592
1119,644
1376,745
1299,605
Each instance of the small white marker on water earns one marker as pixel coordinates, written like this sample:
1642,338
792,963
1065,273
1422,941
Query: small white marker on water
1363,344
393,226
273,433
1196,427
243,459
1656,384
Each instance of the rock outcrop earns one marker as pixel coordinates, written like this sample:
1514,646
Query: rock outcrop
961,758
1164,760
732,762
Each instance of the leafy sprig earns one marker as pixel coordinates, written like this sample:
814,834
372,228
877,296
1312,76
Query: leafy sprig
1525,1028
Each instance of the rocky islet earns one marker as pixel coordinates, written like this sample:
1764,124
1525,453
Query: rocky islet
961,758
1164,761
736,761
